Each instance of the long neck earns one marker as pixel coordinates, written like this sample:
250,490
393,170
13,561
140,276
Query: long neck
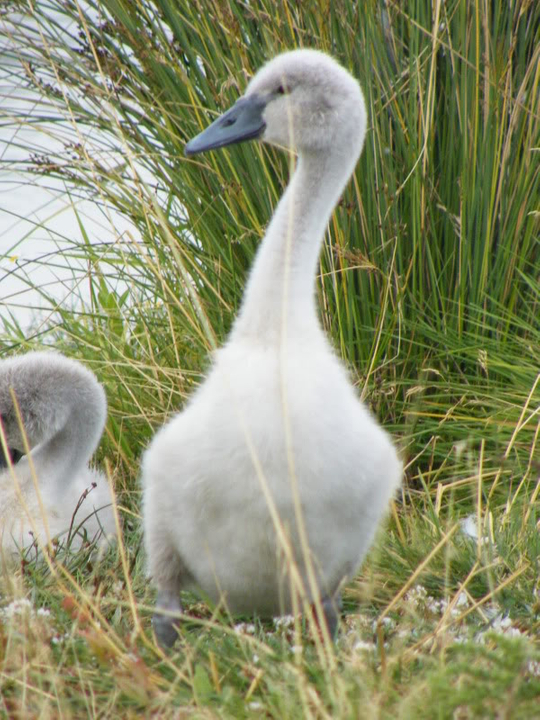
64,410
280,291
66,453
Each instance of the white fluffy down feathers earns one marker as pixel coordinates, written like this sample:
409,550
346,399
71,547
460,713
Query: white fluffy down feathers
52,493
275,448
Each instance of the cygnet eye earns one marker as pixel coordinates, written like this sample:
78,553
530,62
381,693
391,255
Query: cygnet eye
281,90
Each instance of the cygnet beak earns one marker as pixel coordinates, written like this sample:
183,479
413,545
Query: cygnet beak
244,121
14,455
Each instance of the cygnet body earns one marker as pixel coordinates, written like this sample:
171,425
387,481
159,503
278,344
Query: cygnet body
51,492
274,453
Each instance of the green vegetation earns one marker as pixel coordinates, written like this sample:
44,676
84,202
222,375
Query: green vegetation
429,287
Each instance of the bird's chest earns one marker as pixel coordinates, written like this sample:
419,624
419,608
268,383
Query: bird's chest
273,412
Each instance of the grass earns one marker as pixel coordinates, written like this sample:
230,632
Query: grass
453,634
429,287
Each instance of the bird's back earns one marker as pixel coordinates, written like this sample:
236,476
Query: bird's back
31,509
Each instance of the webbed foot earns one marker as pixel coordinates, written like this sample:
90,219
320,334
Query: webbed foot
332,608
165,625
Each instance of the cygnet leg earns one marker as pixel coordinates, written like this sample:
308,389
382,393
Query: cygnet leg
170,575
165,626
332,608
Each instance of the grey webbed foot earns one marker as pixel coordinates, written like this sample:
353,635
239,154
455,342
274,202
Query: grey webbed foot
165,629
332,609
166,626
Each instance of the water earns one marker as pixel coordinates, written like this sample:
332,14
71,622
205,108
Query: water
42,221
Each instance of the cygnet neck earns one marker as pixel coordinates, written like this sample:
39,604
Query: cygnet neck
280,292
58,460
72,418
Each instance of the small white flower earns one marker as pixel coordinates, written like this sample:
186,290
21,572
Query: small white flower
361,645
469,527
284,621
245,629
502,623
57,639
417,594
17,607
491,611
460,447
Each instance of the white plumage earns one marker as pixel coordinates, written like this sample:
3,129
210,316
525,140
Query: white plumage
275,443
63,409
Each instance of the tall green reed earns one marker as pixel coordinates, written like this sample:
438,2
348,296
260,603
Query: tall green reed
429,276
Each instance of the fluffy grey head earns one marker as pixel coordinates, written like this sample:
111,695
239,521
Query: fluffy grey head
313,103
302,100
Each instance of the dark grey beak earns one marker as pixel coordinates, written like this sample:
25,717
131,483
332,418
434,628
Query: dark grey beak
14,455
244,121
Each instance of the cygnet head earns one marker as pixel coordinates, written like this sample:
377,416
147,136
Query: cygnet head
302,100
